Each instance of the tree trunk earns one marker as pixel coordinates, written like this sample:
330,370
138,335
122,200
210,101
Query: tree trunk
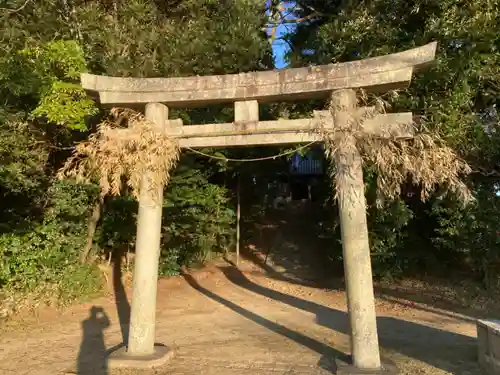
91,228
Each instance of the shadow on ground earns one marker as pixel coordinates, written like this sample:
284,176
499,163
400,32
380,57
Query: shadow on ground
276,245
121,300
430,302
441,349
326,351
92,357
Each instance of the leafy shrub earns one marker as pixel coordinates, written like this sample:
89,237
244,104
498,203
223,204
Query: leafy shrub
467,239
387,234
117,229
169,262
43,259
198,221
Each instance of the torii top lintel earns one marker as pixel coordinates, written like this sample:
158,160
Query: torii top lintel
376,74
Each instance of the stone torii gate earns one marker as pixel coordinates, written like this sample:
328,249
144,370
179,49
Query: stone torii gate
246,91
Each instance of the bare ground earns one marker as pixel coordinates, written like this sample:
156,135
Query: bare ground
226,320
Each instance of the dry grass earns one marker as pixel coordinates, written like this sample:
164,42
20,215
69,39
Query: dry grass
116,153
424,159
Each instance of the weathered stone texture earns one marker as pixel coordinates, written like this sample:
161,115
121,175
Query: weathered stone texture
283,131
354,232
378,74
488,339
147,253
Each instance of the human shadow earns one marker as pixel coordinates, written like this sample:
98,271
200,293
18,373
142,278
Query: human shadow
121,300
317,346
92,357
433,346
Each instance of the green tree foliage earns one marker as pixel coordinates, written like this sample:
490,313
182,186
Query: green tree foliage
39,257
45,46
457,97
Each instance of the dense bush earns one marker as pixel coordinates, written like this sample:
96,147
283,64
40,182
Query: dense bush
198,222
42,258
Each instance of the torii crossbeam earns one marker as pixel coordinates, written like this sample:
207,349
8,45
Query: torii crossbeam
246,91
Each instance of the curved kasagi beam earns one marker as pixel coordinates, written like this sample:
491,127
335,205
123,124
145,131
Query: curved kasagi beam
377,74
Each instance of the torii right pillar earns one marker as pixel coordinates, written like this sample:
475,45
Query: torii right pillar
356,249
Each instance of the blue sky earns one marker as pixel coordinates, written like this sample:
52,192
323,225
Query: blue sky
280,47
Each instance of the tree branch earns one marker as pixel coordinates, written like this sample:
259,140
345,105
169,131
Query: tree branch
297,20
16,10
53,147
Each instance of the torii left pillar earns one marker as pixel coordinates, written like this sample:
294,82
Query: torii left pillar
142,352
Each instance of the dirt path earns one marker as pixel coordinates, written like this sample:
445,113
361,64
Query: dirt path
223,321
256,320
286,247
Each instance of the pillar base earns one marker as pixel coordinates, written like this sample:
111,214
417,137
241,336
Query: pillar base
344,368
121,359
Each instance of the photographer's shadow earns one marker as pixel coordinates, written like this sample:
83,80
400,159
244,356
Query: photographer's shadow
92,358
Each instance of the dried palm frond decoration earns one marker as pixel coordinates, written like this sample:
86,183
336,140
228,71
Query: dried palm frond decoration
116,153
424,159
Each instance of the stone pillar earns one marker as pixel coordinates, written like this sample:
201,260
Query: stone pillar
488,344
246,111
147,253
356,249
